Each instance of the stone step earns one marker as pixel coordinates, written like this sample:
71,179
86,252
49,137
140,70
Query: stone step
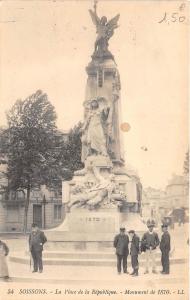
82,255
85,261
66,236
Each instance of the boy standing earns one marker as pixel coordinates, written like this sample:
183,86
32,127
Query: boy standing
165,250
134,251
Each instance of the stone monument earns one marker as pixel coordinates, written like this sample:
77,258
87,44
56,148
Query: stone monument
101,196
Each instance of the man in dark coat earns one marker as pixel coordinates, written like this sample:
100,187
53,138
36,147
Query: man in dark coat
165,250
134,251
149,243
121,243
37,239
4,251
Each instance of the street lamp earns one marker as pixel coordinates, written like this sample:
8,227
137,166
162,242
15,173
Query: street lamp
44,204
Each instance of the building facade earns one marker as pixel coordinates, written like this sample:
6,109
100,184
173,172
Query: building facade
158,204
45,209
177,191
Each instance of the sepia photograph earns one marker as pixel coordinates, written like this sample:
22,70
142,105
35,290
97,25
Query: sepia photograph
94,153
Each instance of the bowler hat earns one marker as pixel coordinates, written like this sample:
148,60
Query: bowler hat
164,226
122,228
150,223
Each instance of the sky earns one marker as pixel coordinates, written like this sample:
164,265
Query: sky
47,45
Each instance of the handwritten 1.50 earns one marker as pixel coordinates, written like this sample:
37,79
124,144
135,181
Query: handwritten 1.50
173,17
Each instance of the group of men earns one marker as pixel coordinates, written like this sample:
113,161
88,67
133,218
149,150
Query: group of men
148,244
124,246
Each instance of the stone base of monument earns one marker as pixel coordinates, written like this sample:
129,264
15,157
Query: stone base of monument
85,230
85,221
94,199
92,230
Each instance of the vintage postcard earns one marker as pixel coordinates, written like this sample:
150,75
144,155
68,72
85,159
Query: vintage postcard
94,155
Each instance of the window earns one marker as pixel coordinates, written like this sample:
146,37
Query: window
51,193
57,211
35,193
20,195
13,214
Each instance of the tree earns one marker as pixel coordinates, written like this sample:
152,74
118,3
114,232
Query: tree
32,143
70,154
186,164
35,150
3,145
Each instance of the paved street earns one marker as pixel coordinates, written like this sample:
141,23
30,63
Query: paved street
19,272
65,278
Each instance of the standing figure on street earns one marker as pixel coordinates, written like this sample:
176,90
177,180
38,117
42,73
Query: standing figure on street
37,239
149,243
165,250
4,250
121,243
134,252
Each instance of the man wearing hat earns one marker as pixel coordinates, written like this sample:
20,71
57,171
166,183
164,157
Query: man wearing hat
149,243
37,239
165,249
121,243
134,251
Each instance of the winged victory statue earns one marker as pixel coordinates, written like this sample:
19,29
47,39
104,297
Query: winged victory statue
104,29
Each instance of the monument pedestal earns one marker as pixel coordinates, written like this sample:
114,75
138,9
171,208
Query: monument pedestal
84,230
93,222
